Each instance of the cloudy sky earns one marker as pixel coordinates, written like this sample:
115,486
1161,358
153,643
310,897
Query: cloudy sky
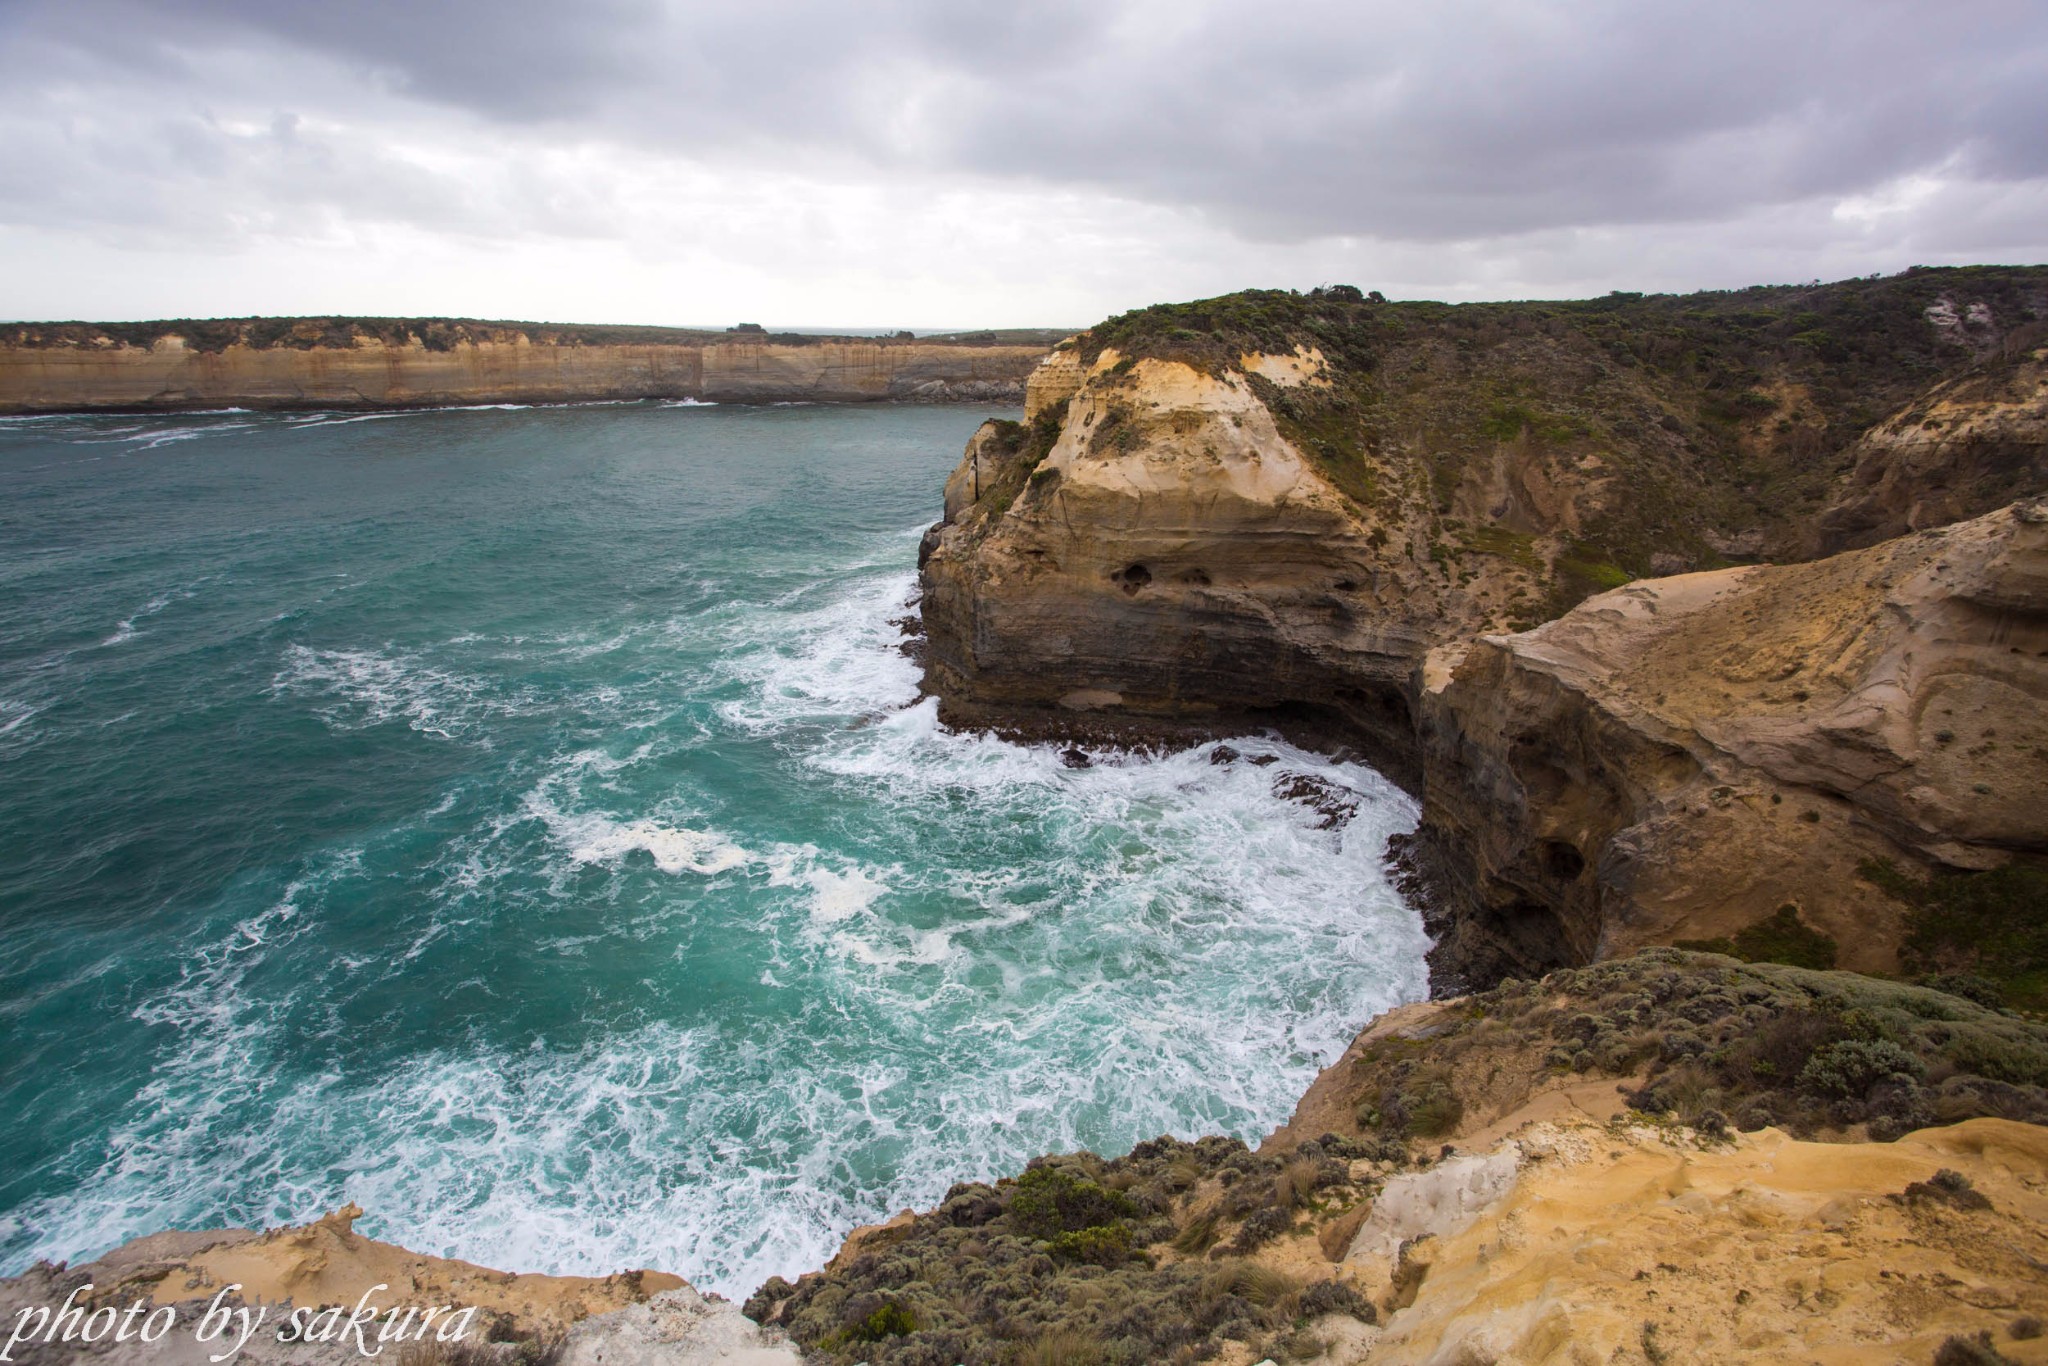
954,162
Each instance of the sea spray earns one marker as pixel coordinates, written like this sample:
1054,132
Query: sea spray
531,831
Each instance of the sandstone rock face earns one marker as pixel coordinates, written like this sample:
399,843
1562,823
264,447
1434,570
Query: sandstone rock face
1675,758
1272,508
1053,380
1635,1245
1153,545
508,368
1970,444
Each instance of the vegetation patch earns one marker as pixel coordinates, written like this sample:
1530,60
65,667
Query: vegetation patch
1081,1259
1781,937
1719,1043
1013,457
1582,571
1991,926
1515,547
1326,424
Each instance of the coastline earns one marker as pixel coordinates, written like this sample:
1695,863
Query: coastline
46,369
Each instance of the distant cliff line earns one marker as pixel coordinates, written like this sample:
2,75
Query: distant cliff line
284,363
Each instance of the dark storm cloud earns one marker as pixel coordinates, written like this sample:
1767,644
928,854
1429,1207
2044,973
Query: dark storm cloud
1403,121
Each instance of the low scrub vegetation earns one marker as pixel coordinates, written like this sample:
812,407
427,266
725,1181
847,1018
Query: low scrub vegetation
1081,1259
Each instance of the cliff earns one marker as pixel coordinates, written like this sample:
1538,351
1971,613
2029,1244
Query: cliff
1680,757
1674,1157
1969,443
1303,510
1151,543
350,363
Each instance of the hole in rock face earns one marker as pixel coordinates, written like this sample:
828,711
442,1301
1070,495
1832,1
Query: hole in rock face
1563,861
1133,577
1198,577
1347,586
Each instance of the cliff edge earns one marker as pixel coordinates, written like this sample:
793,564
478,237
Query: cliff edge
1333,511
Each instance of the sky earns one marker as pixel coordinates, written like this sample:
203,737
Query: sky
954,163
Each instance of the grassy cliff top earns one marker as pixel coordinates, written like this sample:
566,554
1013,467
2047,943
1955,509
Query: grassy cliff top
1847,331
1662,418
1162,1255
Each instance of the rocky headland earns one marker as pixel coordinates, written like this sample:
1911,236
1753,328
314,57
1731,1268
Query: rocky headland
434,362
1712,633
1554,568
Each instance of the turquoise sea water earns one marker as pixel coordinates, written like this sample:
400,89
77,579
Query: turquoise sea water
524,823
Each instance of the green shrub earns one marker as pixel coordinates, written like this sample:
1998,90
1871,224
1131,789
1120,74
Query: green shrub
1781,937
1434,1112
1849,1068
891,1320
1977,1351
1051,1200
1992,925
1101,1245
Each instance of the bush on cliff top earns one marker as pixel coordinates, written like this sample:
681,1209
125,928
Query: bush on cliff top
1074,1261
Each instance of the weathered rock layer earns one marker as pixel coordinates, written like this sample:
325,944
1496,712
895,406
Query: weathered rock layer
1276,508
1678,757
500,363
1151,545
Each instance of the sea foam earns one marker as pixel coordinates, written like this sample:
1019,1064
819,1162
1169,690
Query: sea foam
692,939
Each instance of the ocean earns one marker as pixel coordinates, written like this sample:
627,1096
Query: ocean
524,822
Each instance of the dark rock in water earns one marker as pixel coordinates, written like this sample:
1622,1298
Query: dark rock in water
1264,760
1337,805
1073,756
1224,754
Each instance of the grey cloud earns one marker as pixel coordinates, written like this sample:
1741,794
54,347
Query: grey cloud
1448,121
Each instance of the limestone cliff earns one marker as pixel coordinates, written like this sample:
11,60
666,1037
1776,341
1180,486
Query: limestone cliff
1678,757
342,363
1275,507
1152,544
1277,501
1967,444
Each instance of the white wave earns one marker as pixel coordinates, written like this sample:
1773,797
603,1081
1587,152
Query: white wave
125,629
841,658
835,894
370,687
595,837
674,850
149,441
326,420
14,715
685,403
